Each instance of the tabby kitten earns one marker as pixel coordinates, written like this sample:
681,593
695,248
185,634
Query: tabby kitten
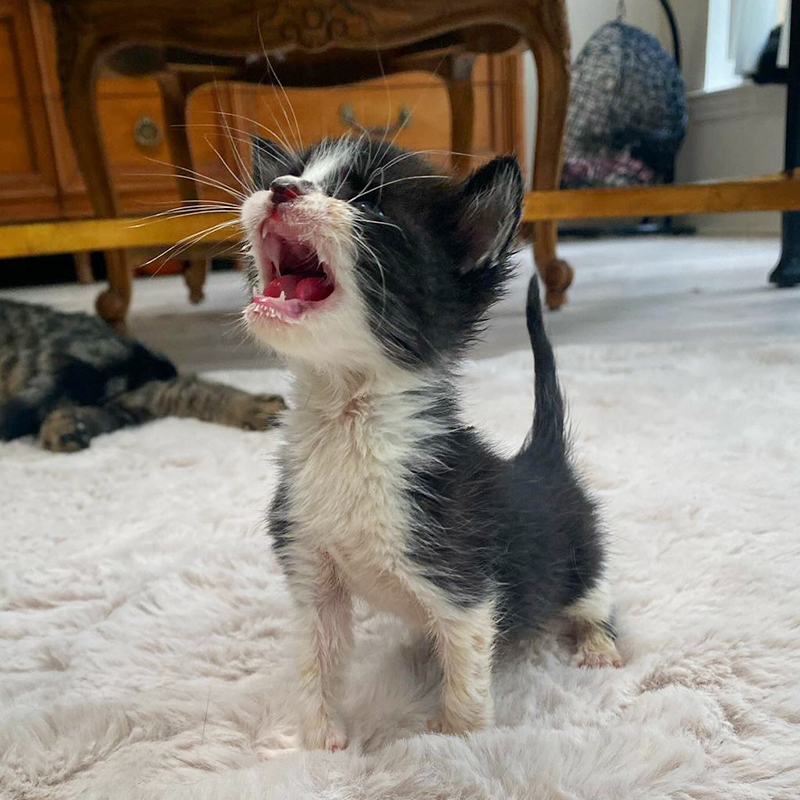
68,378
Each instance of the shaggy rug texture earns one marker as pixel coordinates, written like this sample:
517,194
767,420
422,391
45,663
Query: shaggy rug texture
146,636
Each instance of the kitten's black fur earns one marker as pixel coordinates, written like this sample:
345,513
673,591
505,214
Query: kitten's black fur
69,378
523,531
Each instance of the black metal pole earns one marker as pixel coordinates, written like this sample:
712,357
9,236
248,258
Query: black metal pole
787,273
673,27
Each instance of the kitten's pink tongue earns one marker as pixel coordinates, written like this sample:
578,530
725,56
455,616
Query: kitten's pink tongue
285,283
313,289
305,289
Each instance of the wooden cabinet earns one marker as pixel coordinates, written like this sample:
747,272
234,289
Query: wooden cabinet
39,177
28,181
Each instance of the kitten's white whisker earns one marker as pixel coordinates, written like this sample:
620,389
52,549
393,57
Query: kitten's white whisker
277,135
404,156
186,172
413,110
221,204
381,222
398,180
359,237
247,189
188,241
201,181
297,134
275,76
177,212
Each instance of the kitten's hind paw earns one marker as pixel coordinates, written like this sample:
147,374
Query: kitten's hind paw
597,653
323,734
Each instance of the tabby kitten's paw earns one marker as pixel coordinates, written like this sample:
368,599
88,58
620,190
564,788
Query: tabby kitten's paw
63,431
259,412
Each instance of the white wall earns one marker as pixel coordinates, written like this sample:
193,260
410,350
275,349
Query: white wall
733,133
692,19
585,17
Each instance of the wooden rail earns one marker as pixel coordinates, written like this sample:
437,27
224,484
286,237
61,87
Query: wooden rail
75,236
773,193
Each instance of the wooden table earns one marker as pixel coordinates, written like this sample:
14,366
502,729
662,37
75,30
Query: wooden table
89,31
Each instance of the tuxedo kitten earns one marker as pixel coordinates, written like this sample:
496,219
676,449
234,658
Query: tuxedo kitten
372,273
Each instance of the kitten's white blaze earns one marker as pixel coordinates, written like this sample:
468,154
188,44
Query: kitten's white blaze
324,168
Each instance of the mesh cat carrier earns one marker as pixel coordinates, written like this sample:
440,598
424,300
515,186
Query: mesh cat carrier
627,113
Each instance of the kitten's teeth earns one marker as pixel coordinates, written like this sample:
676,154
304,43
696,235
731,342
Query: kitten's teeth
282,295
269,248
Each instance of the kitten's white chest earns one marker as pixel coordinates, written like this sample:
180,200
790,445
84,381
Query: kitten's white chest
349,472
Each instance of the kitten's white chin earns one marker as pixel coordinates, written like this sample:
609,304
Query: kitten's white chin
267,312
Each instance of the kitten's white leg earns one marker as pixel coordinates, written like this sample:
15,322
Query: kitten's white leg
464,640
592,620
324,630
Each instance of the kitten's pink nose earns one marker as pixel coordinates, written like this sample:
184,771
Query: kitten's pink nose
288,188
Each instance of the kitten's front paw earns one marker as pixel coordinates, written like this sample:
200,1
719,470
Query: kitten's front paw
260,412
64,432
323,734
592,657
452,726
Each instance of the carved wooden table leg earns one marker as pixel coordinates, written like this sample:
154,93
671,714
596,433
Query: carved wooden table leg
549,41
83,267
458,78
175,95
79,54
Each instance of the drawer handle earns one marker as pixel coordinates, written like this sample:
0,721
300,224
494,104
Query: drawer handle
146,132
348,117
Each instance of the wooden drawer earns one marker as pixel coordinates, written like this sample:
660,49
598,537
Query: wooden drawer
318,113
321,113
141,169
377,104
123,118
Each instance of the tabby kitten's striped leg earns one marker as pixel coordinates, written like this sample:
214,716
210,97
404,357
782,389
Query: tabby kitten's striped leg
193,397
71,428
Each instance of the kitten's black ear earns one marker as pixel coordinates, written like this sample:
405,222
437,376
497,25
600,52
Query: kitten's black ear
270,161
490,208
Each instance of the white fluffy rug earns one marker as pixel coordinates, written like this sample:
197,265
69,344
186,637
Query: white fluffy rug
145,635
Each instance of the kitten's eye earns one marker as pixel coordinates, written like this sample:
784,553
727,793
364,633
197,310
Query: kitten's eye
369,207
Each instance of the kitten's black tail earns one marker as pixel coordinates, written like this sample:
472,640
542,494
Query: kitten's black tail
547,435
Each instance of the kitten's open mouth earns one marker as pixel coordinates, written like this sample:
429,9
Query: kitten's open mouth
295,280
